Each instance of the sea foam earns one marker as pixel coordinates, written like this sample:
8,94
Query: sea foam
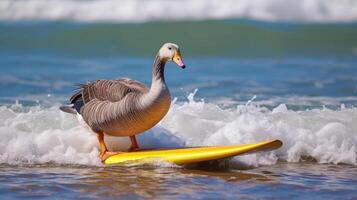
159,10
41,135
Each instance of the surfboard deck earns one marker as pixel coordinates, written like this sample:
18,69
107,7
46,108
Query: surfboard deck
190,155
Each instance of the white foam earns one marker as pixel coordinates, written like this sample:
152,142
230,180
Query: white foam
158,10
41,135
44,135
328,136
292,100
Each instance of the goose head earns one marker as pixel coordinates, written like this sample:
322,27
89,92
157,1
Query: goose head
171,51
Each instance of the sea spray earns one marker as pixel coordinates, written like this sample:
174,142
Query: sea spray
36,134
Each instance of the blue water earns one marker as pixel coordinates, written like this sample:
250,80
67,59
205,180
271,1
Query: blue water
245,81
37,77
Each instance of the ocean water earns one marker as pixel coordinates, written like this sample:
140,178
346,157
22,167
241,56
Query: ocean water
256,70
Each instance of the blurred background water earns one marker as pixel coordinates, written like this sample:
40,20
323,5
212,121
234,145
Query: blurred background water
255,70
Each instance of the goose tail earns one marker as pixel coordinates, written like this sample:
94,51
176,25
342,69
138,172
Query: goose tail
68,109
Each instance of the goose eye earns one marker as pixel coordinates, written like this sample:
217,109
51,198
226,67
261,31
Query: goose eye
170,48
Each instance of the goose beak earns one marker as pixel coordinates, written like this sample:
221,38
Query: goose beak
178,60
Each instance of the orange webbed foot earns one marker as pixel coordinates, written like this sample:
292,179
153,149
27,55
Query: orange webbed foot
134,144
103,156
133,149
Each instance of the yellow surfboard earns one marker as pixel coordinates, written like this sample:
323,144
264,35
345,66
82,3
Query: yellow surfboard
183,156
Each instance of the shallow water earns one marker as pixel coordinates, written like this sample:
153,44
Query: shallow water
284,77
282,180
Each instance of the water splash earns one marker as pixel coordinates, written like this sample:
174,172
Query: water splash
39,135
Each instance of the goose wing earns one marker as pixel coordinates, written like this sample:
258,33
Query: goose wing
106,90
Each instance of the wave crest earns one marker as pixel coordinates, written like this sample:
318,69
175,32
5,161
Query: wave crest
41,135
324,135
159,10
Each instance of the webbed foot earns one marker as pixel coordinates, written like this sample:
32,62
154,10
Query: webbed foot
134,144
133,149
103,156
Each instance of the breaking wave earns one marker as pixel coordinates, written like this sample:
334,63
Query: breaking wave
34,134
128,11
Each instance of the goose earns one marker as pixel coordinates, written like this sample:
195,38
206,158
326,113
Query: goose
125,107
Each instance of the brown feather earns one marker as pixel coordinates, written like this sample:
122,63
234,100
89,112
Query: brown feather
124,107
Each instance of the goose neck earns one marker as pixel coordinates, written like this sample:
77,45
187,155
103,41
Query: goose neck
158,70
